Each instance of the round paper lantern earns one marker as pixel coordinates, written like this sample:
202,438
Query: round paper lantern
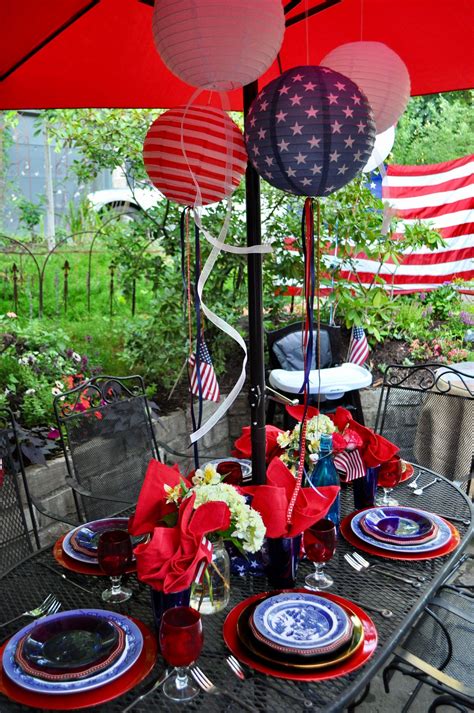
382,147
216,45
191,147
310,131
380,73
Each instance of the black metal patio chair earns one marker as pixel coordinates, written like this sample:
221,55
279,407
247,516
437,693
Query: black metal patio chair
15,537
439,651
428,411
285,353
108,440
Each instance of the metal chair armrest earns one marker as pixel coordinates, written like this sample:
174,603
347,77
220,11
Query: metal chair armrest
433,672
78,488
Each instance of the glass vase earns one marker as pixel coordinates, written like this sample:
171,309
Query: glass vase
364,489
212,593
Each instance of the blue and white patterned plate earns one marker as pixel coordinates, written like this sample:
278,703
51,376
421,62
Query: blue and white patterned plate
90,532
301,621
131,652
443,536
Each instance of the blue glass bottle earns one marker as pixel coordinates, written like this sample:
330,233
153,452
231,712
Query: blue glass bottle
325,473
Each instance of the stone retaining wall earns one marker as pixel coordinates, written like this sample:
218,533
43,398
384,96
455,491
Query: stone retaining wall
48,483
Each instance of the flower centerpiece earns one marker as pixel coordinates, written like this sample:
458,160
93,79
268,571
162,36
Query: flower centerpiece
193,516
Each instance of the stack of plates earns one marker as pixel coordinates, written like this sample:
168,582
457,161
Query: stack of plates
401,530
81,543
299,634
72,652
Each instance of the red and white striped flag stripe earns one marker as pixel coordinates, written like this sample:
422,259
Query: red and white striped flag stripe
350,463
214,158
358,347
442,195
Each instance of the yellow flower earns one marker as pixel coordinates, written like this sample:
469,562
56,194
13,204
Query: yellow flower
173,494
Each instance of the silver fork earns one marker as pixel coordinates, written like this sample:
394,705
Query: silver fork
414,484
49,606
365,563
207,686
364,568
236,667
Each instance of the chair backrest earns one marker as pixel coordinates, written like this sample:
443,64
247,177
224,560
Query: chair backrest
108,440
285,347
15,541
428,411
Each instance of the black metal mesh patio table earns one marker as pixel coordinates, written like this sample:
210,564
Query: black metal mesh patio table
29,582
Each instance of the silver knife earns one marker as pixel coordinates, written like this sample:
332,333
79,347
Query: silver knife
164,676
61,574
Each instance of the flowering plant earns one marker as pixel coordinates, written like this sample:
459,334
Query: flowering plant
290,441
246,530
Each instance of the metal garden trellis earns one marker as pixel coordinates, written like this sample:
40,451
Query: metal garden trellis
52,52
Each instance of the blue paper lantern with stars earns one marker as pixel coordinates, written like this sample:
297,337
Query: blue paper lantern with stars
310,131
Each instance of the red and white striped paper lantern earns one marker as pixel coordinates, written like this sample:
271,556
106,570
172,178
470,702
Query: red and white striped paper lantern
380,73
216,45
195,155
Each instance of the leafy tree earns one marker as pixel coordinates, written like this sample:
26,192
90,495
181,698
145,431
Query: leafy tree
435,128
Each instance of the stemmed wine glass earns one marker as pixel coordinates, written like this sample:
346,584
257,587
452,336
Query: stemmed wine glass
388,479
114,553
181,640
320,544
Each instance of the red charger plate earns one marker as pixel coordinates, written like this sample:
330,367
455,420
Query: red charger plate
97,696
352,538
360,657
409,470
80,567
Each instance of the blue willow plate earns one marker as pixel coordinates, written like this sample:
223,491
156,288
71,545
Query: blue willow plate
443,536
398,523
300,621
81,543
131,652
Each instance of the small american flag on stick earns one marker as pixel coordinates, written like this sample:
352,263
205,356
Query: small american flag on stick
351,464
209,385
358,347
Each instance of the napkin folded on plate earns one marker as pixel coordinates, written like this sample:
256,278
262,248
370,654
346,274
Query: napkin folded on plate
272,502
152,505
171,560
374,449
243,444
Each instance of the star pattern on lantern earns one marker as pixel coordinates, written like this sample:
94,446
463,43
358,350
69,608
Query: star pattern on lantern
314,129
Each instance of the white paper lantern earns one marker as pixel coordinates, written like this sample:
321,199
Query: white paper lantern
380,73
382,147
216,45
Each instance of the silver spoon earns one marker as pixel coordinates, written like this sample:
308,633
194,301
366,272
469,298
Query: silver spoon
419,491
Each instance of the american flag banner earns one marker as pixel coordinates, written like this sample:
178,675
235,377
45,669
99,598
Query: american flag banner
358,347
350,463
209,385
442,195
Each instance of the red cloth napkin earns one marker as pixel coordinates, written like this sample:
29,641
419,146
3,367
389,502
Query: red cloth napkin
243,445
272,501
152,506
374,448
172,558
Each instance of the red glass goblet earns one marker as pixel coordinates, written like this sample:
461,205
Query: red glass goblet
389,476
114,553
181,640
320,544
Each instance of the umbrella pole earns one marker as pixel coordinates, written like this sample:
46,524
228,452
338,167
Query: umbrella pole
255,292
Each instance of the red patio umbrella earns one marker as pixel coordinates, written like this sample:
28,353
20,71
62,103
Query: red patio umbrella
100,53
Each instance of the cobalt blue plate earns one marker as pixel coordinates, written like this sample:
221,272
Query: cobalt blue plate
443,536
301,621
131,652
81,543
398,523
